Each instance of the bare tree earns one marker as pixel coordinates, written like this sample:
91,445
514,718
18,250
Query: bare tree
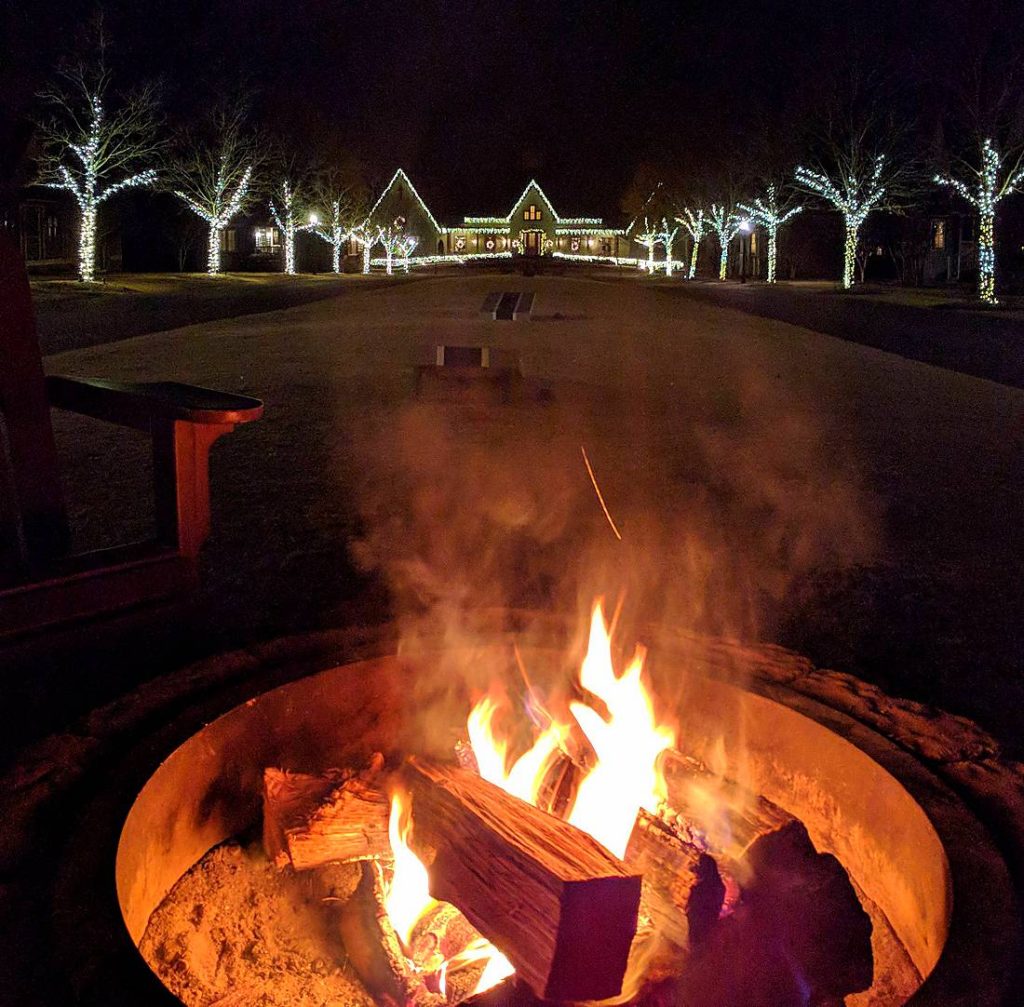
335,194
771,211
95,144
668,238
288,207
726,224
367,237
405,249
212,173
649,237
695,223
391,238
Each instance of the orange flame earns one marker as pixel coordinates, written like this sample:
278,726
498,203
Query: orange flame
628,744
625,778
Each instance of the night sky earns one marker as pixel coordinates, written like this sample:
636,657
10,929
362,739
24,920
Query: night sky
474,98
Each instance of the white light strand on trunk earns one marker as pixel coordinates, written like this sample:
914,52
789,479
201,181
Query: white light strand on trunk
335,234
86,188
286,224
855,197
726,226
984,193
367,237
406,247
649,238
767,212
668,238
696,226
218,211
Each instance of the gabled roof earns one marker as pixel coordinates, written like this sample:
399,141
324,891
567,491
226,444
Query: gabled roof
400,175
533,184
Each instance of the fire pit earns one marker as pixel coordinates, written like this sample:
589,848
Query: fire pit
924,870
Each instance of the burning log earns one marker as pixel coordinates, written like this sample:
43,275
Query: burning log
682,889
561,907
309,820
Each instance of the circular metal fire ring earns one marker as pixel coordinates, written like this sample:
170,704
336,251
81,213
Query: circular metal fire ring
65,802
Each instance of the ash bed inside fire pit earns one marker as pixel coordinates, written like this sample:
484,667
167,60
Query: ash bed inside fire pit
837,777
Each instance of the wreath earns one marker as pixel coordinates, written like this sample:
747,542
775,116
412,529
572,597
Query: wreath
489,244
575,244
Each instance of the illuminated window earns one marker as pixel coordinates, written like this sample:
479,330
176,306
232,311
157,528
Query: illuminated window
229,240
267,239
532,213
938,234
753,242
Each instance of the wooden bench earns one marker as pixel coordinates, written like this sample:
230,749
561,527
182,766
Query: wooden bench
42,584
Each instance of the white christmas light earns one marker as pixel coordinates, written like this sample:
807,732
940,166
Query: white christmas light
287,225
855,196
96,154
984,192
649,238
767,212
696,226
406,247
668,238
218,209
726,226
335,233
367,237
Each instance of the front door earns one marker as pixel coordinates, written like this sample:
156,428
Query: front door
532,242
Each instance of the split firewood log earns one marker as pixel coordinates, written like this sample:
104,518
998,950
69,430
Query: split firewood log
340,816
561,907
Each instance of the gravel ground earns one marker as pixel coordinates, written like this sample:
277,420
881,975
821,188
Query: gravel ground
767,481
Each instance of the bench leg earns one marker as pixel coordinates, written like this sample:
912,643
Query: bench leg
181,476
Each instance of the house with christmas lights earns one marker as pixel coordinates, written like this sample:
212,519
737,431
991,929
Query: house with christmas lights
531,227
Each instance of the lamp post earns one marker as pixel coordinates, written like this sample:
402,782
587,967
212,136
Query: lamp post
746,229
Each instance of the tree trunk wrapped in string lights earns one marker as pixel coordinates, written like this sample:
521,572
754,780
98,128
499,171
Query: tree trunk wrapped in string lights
90,152
984,191
857,189
726,226
696,226
770,213
287,223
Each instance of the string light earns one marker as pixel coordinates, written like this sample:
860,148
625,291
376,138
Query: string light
367,237
696,226
986,193
406,247
86,188
287,226
218,211
767,212
668,238
335,233
855,197
649,238
398,176
726,226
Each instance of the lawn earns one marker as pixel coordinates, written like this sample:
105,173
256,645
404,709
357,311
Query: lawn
768,481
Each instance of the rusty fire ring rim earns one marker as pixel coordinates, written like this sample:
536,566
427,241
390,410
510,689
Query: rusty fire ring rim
83,898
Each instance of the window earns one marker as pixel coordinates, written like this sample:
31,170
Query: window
753,242
229,240
267,239
938,235
532,213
